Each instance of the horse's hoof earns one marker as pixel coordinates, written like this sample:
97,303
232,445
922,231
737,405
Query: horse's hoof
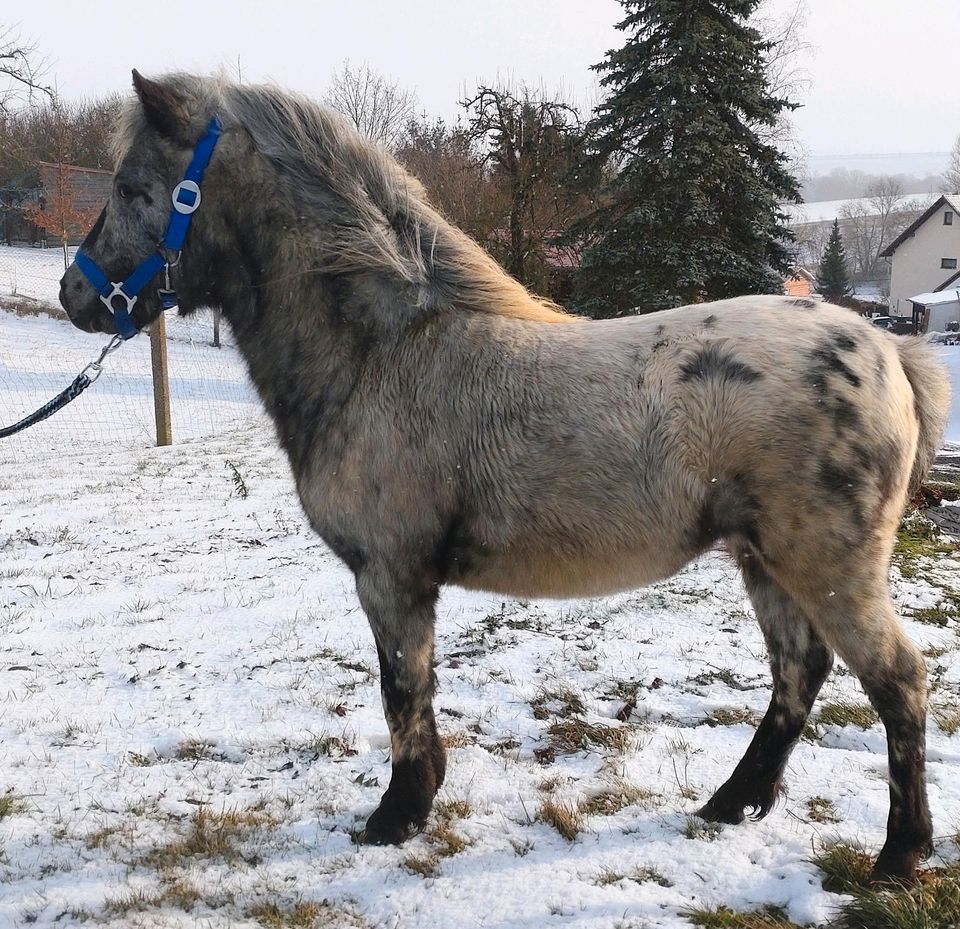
384,827
718,813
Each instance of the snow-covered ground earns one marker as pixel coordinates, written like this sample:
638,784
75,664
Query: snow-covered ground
190,722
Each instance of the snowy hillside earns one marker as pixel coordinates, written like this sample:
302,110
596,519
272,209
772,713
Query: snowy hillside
191,727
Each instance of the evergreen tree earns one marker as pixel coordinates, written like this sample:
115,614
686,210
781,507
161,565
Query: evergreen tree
690,210
833,280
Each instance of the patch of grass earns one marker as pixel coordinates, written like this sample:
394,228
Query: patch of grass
936,651
456,740
731,717
769,917
643,875
11,804
721,675
303,915
560,702
138,760
918,538
574,735
213,835
947,718
861,715
104,837
822,810
932,902
443,841
846,868
614,799
697,828
939,615
176,894
564,817
426,865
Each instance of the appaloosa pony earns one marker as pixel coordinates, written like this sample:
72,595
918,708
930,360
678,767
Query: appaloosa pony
446,427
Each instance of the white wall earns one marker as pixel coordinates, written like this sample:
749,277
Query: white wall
916,263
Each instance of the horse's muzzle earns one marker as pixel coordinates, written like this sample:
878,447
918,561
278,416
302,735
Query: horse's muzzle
82,305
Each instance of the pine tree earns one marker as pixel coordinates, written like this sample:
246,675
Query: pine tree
833,280
691,208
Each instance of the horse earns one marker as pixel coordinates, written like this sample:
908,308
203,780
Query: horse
444,426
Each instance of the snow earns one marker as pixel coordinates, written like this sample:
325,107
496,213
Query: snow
937,298
169,645
826,211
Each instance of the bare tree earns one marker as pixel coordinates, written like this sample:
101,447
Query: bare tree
951,177
872,222
21,72
377,106
787,74
448,162
531,142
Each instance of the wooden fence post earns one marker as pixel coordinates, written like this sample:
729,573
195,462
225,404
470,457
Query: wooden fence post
161,381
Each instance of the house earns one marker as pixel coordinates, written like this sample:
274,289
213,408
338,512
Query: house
934,312
81,192
925,255
799,283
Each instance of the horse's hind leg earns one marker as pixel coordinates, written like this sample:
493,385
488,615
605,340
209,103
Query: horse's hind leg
863,628
800,663
402,619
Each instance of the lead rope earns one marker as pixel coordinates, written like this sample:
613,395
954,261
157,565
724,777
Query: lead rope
80,383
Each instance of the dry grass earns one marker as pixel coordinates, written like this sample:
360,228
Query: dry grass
644,875
770,917
564,817
177,894
932,902
304,915
946,717
861,715
728,717
822,810
560,702
442,840
29,306
11,804
213,835
574,735
618,797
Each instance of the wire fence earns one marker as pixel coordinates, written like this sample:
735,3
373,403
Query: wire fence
41,353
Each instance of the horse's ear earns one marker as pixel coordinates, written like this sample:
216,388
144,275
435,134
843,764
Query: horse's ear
165,109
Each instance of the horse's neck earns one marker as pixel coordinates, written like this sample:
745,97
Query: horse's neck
302,357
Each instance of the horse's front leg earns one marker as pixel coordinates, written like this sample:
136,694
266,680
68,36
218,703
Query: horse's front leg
402,618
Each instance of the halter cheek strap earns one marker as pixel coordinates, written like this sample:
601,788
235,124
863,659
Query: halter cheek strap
120,298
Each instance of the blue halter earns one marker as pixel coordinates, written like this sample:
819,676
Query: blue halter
120,298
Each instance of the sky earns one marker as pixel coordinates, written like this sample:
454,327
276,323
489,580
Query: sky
881,73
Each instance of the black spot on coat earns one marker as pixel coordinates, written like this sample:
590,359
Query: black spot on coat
713,362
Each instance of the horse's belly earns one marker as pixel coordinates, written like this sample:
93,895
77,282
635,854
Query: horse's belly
548,575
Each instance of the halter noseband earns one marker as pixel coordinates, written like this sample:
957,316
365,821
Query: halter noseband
120,298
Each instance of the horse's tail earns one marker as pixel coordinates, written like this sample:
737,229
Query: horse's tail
927,374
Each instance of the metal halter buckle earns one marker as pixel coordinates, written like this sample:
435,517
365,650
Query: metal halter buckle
118,291
186,197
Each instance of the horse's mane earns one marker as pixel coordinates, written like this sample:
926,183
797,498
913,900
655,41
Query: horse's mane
362,210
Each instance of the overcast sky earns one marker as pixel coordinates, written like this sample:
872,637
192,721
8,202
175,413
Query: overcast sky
883,73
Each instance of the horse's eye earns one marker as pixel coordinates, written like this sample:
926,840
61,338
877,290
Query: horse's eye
123,191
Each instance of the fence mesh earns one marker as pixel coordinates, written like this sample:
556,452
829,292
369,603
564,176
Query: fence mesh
41,352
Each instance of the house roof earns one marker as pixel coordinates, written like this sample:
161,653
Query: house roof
951,200
935,299
947,282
